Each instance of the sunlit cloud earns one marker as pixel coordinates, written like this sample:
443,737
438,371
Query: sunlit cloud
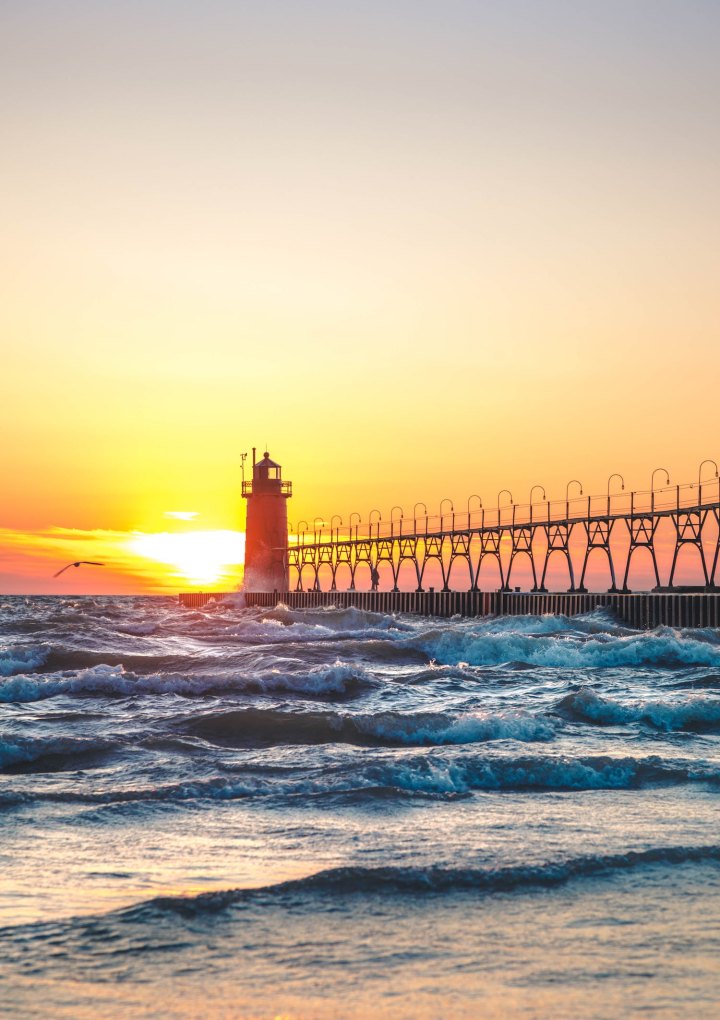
181,515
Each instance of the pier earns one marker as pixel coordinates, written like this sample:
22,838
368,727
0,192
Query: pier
439,560
641,610
662,525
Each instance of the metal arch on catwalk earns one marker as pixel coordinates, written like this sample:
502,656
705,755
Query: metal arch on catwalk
574,527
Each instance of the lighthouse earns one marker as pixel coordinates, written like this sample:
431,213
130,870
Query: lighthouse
266,531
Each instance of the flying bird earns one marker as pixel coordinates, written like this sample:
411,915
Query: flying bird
88,563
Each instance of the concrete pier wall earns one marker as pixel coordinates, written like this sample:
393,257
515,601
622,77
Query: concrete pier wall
640,610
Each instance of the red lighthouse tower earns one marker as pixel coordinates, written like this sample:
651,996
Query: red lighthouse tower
266,531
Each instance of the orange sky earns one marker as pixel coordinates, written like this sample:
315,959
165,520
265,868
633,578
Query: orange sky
421,252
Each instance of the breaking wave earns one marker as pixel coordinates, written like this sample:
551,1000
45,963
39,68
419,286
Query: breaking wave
339,620
559,772
16,658
692,712
550,646
420,776
256,725
104,680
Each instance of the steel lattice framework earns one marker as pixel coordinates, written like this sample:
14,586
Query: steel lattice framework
616,526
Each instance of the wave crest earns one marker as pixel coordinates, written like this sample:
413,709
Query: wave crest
414,775
19,658
433,879
567,647
696,713
256,725
104,680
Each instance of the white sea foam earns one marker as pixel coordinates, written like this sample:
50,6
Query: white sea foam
19,658
550,647
338,620
423,774
463,728
115,681
282,625
138,629
435,774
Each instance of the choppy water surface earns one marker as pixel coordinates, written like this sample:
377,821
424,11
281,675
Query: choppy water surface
235,812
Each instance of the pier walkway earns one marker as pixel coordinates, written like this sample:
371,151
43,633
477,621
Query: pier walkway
616,526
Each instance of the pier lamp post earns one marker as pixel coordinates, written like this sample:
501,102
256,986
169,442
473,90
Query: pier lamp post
415,530
479,506
498,501
700,477
392,519
442,526
317,538
532,532
357,523
452,511
291,531
573,481
337,530
652,486
544,496
415,516
710,586
301,541
379,518
392,535
333,586
622,487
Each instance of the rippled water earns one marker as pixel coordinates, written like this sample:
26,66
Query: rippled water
242,812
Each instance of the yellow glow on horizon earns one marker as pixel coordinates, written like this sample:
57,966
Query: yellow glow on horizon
201,557
141,562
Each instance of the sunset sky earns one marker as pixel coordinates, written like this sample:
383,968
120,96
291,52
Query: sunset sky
419,249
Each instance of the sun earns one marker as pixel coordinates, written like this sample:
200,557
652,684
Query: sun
199,557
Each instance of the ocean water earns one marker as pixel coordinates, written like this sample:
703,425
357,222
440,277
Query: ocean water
238,812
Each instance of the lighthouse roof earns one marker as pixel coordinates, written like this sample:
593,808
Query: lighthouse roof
266,462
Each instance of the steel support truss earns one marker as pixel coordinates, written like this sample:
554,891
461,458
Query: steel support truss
463,550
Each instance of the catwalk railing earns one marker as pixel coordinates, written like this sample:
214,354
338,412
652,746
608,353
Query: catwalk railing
616,525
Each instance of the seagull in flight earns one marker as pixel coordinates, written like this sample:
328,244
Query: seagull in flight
79,563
